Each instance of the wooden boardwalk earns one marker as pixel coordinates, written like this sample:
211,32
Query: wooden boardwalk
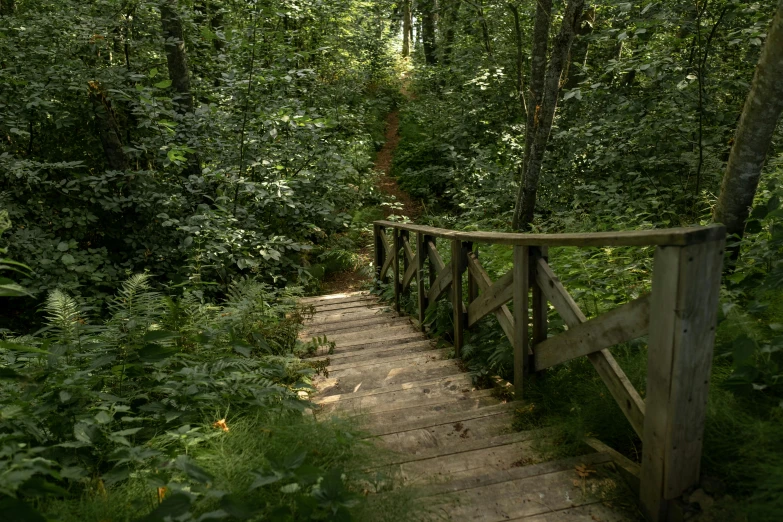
453,440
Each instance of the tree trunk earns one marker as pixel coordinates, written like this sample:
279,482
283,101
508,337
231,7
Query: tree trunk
451,19
752,139
179,74
535,89
406,28
108,129
428,10
520,59
579,50
175,54
7,7
484,29
543,118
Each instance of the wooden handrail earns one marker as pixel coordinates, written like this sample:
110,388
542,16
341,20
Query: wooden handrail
656,237
680,315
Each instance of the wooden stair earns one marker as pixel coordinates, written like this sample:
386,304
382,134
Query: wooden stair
451,439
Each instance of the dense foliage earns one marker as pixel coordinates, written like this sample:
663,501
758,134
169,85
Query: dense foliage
647,112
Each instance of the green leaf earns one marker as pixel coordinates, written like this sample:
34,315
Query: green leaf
172,506
160,335
9,374
62,246
155,352
165,84
21,348
193,471
67,259
153,72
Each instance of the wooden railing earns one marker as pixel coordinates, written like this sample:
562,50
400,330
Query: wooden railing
679,318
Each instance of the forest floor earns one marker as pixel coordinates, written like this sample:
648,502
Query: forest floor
402,204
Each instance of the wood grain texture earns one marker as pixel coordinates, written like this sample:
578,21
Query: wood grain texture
421,257
492,298
684,305
502,314
521,340
622,324
616,381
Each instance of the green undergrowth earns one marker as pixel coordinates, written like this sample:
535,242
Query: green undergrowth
176,407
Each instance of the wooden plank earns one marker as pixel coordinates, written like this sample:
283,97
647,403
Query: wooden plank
410,272
553,290
396,268
490,299
502,314
668,236
441,284
435,258
385,242
629,469
684,304
458,254
430,231
421,256
616,381
386,265
521,287
656,237
539,303
622,324
379,253
406,245
473,290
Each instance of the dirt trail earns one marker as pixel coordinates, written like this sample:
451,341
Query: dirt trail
383,163
352,281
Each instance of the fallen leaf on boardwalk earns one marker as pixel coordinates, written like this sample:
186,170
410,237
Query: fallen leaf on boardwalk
583,471
221,424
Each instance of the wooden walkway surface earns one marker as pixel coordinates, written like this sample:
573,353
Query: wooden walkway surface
452,439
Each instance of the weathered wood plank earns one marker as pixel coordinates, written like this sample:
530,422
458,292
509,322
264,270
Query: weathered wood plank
410,272
639,238
616,381
521,341
491,299
386,265
396,268
406,246
539,303
622,324
421,256
458,261
441,284
684,304
435,259
503,314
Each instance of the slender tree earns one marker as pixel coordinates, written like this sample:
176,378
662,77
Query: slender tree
175,53
107,127
760,116
542,112
406,28
428,11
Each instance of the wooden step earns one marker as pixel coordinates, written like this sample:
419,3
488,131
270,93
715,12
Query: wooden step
410,358
452,435
534,495
398,396
368,335
359,325
330,317
378,353
358,304
352,380
426,408
333,298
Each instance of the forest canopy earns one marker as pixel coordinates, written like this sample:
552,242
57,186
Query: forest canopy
174,174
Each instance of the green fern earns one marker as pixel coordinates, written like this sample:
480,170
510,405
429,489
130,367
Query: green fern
63,317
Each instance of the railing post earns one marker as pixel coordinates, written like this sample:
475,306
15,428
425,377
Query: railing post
683,318
521,284
459,260
539,303
472,284
379,252
421,254
404,234
396,267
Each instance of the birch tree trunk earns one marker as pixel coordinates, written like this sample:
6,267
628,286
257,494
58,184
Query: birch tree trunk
544,114
752,139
